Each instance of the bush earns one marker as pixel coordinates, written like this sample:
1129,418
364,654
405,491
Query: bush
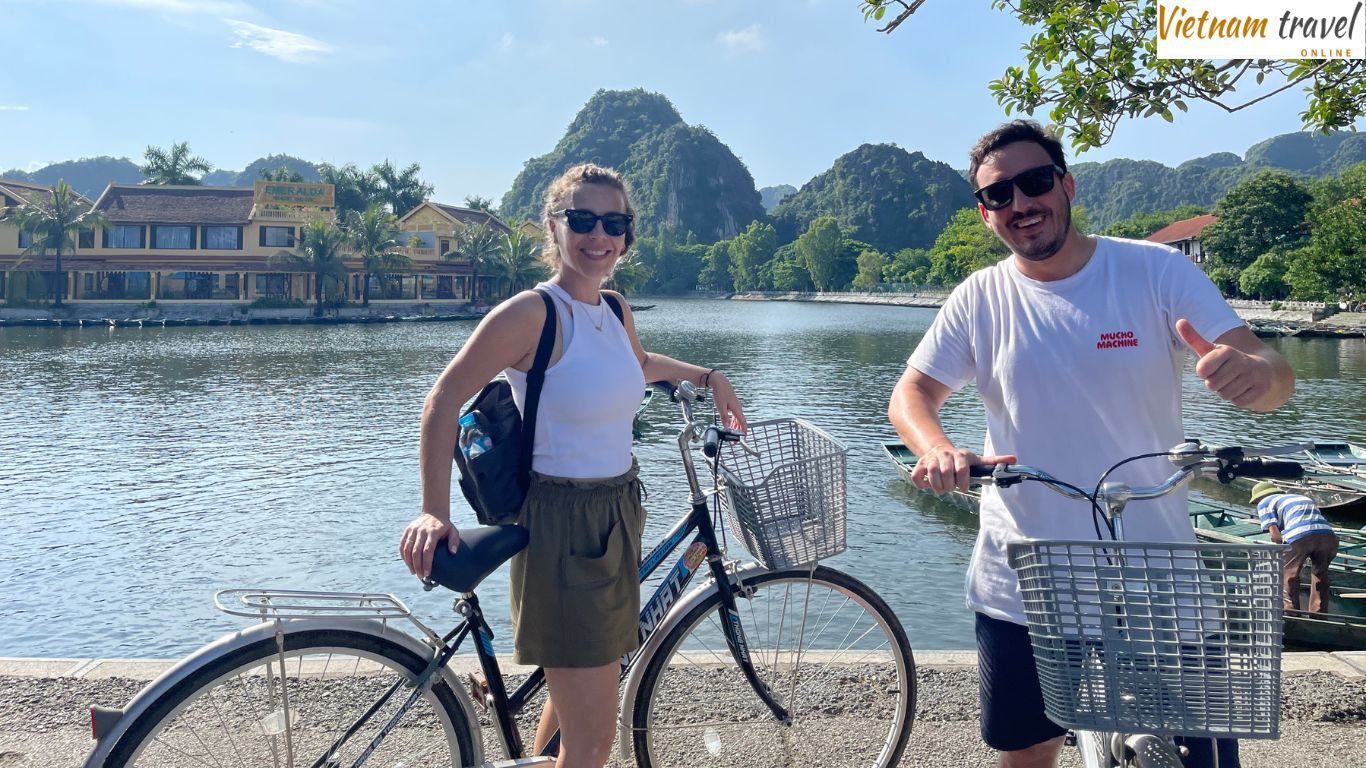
1275,306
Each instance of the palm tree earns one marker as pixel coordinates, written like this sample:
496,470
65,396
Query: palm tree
518,260
373,233
481,204
629,274
319,253
55,225
402,190
173,167
478,244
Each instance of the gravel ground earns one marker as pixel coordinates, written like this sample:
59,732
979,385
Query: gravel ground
44,721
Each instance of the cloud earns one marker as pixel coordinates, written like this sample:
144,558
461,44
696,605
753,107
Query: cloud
13,108
745,40
599,41
183,7
285,46
506,42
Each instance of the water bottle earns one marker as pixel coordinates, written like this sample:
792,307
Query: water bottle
473,440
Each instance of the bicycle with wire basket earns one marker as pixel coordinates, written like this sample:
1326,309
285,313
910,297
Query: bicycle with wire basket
1137,643
777,662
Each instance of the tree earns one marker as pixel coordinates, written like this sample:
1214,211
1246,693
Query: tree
909,265
1265,278
629,274
177,166
518,260
1338,253
477,244
320,254
283,173
716,267
820,247
373,234
355,190
55,224
481,204
1262,213
785,270
749,251
870,265
1092,63
965,246
401,190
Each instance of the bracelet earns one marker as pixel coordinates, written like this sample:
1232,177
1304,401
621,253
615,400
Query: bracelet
706,378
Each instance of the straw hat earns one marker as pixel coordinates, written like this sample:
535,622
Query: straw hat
1263,488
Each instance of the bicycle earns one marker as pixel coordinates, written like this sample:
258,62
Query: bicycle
1136,642
724,676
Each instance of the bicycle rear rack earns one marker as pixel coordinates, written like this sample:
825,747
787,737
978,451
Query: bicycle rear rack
275,604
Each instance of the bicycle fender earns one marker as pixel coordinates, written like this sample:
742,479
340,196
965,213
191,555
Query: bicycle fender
693,598
234,640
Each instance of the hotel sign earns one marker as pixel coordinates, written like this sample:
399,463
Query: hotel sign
314,195
1261,29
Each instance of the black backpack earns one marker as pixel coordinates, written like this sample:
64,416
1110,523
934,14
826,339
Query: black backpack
495,482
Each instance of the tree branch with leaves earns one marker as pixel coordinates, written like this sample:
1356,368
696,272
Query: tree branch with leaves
1091,64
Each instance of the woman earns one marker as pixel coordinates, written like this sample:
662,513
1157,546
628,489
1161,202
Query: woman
575,593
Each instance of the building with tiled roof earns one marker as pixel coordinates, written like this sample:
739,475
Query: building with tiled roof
432,227
211,244
1184,236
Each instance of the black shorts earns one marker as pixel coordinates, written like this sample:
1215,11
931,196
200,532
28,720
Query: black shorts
1012,702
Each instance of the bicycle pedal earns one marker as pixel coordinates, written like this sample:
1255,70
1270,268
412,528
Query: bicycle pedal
479,690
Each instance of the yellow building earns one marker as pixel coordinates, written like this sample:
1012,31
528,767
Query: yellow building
223,244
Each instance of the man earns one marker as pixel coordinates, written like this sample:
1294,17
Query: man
1295,520
1075,343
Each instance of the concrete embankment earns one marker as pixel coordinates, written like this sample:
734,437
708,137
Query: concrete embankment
173,315
44,719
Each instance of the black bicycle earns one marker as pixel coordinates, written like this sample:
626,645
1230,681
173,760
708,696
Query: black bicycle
778,662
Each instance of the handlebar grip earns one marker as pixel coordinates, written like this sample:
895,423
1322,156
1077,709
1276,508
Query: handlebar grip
981,470
711,442
1276,470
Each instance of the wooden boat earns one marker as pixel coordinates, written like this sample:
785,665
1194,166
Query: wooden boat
1338,454
1216,522
904,460
641,307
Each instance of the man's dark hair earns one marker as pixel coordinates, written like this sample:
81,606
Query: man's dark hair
1009,133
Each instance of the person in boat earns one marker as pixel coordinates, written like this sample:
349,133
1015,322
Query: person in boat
1077,344
1295,520
575,589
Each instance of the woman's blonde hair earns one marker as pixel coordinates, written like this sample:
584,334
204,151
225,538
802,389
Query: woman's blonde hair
559,192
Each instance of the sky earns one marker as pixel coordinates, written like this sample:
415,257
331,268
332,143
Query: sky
472,90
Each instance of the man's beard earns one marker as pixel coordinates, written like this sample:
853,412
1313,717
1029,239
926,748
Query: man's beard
1043,251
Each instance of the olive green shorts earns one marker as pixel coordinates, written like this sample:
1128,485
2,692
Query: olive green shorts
575,589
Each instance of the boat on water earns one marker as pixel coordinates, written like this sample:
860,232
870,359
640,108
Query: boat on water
1341,628
1347,455
641,307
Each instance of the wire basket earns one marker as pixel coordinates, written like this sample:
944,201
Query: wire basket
788,503
1175,639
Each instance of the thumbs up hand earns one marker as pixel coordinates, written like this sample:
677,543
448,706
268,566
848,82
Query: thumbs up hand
1239,378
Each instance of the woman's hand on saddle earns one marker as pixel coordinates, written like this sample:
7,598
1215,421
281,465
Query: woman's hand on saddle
945,468
420,540
727,402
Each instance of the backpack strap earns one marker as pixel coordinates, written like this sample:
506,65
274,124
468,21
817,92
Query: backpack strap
616,307
535,378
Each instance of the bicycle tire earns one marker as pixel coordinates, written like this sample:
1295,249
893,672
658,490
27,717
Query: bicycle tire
863,691
1094,748
221,715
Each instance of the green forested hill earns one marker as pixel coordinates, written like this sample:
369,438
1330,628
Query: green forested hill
773,195
880,194
89,175
680,175
1118,189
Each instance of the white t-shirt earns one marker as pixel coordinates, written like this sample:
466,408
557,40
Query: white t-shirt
1076,374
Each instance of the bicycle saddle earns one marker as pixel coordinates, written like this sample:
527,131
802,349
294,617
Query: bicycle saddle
480,552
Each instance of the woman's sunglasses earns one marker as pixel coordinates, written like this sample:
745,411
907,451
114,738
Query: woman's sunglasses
1033,182
582,222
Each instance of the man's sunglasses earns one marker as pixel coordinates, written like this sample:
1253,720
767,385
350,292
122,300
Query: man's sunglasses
582,222
1033,182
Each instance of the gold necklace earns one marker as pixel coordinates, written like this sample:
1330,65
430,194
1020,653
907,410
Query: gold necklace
602,315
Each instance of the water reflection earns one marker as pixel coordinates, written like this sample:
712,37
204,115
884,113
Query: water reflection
145,468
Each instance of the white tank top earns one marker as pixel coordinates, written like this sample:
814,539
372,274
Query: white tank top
590,396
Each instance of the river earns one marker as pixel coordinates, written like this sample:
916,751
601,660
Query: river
143,469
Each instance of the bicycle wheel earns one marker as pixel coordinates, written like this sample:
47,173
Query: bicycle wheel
251,707
828,647
1094,748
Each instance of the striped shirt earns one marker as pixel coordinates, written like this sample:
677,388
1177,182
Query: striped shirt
1294,514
